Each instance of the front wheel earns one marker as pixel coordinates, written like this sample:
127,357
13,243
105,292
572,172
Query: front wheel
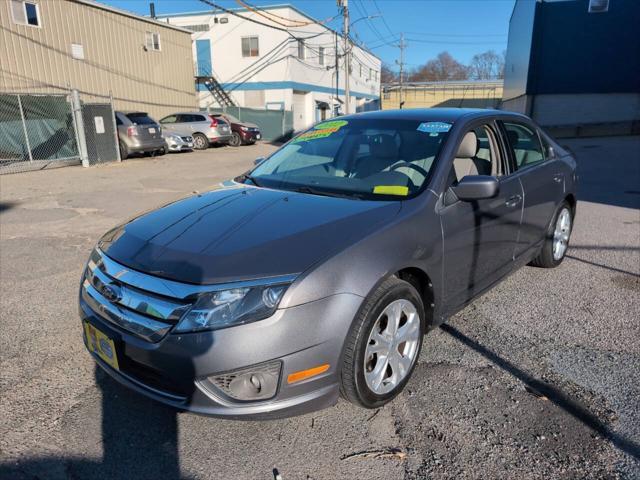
556,241
383,345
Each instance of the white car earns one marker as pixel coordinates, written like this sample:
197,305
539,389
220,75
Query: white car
177,143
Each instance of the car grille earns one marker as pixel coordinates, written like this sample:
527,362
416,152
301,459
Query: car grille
140,312
187,139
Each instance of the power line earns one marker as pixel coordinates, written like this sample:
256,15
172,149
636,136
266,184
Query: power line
384,21
444,42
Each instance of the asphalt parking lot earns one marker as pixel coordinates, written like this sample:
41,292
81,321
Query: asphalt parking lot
539,378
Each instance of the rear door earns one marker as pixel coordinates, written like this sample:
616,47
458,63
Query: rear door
542,181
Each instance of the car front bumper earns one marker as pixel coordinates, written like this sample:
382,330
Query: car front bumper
250,136
176,369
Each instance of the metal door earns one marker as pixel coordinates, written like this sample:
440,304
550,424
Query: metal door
100,134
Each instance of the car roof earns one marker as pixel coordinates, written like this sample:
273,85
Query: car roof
189,113
431,114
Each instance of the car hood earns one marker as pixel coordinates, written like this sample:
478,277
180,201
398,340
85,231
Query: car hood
243,233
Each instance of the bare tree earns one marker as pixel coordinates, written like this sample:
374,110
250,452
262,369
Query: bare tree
443,67
487,65
387,75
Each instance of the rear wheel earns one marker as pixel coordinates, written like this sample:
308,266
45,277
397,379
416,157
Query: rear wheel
556,241
124,150
200,141
235,141
383,345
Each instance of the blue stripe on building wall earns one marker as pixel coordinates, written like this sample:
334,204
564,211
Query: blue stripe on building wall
203,54
306,87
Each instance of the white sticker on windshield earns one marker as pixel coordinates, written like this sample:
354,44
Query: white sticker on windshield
434,127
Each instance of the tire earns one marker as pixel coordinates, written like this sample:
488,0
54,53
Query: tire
124,150
559,231
164,150
200,141
235,141
359,368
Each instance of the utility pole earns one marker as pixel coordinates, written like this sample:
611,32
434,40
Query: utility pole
347,54
335,113
402,47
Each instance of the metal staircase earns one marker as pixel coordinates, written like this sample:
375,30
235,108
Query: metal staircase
219,94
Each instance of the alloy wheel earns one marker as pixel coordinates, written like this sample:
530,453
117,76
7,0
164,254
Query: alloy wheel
392,346
561,234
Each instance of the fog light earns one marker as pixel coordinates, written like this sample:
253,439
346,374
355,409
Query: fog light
259,382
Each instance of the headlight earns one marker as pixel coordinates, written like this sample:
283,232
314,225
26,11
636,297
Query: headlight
175,138
228,308
244,129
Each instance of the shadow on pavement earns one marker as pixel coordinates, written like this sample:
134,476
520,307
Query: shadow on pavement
139,439
555,395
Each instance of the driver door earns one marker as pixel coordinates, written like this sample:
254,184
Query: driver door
479,236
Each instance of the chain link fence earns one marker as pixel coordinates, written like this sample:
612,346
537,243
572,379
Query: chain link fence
275,125
39,131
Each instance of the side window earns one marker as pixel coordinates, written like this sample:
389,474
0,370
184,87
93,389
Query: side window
525,145
169,119
476,154
118,121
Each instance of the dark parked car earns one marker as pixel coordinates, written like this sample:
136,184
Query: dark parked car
244,133
138,133
319,272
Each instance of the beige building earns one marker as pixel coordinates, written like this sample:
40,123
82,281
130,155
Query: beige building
50,46
469,94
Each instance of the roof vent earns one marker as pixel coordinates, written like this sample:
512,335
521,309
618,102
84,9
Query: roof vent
598,6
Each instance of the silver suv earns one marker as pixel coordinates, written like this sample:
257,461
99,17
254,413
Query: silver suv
204,128
138,133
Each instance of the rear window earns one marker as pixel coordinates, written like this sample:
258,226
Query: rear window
141,119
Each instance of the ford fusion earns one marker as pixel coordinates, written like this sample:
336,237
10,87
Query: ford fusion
317,274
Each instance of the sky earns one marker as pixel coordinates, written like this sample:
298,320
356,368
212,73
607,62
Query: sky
461,27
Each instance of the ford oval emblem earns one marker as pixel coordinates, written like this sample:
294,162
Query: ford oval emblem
111,292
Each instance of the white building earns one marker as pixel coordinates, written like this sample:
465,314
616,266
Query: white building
292,67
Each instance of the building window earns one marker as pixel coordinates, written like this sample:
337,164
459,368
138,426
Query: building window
321,55
360,65
250,47
25,13
152,41
301,49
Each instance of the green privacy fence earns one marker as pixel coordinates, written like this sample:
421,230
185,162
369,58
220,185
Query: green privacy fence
275,125
35,131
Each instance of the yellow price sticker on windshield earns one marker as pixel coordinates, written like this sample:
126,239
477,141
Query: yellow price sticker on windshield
391,190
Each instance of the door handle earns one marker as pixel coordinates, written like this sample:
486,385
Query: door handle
513,201
558,177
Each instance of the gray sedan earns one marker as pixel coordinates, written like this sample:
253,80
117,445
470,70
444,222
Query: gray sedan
318,273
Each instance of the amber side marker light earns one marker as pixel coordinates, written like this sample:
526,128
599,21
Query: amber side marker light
304,374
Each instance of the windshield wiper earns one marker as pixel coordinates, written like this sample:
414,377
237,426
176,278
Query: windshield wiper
248,176
324,193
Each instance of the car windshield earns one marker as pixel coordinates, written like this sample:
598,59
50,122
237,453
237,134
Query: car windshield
361,158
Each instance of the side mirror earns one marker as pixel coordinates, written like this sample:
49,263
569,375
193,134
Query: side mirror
476,187
258,161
